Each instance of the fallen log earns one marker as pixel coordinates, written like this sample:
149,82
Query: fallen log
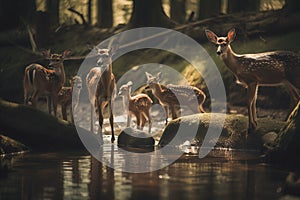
40,131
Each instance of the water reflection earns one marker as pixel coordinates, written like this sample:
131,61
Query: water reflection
222,175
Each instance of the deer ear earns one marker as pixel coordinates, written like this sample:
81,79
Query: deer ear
231,35
66,53
211,36
148,75
114,47
158,76
129,83
46,53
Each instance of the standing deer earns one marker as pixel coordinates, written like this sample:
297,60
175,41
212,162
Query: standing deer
65,96
39,80
138,105
260,69
101,86
169,96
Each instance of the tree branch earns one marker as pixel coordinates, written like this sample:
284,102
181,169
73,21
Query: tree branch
78,13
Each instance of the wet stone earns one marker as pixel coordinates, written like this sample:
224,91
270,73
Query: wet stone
130,137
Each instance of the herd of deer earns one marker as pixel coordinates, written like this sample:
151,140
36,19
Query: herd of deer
250,70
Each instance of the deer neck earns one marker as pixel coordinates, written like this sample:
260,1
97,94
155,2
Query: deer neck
230,59
60,71
157,90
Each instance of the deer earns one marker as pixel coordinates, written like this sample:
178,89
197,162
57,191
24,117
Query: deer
101,85
39,79
65,96
260,69
169,96
138,105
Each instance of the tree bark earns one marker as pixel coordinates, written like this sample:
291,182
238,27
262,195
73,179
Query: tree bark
105,13
209,8
147,13
89,12
178,10
235,6
52,6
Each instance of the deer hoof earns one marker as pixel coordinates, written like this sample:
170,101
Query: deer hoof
112,139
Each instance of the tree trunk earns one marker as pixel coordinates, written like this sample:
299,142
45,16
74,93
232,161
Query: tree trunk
52,6
149,13
42,29
14,11
178,10
235,6
105,13
292,6
209,8
89,11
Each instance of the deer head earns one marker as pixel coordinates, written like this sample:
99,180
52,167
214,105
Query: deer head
152,80
56,59
76,82
125,89
222,43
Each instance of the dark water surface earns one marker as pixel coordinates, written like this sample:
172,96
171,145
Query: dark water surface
77,175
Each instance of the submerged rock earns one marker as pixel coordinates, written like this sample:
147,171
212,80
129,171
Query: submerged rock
233,135
130,137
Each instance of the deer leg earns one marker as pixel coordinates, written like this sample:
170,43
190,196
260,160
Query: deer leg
100,107
35,98
138,121
55,99
72,111
64,111
201,109
252,93
128,118
26,96
49,104
92,117
148,116
167,113
111,121
173,111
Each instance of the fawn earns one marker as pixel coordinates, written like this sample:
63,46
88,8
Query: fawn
39,80
260,69
138,105
65,96
101,86
169,96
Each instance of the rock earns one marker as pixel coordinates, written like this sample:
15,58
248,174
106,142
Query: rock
130,137
286,148
8,146
40,131
292,184
269,138
233,134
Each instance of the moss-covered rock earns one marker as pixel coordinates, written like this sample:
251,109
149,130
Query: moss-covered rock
233,134
130,137
39,130
286,148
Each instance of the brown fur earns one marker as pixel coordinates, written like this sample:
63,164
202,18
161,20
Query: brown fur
261,69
